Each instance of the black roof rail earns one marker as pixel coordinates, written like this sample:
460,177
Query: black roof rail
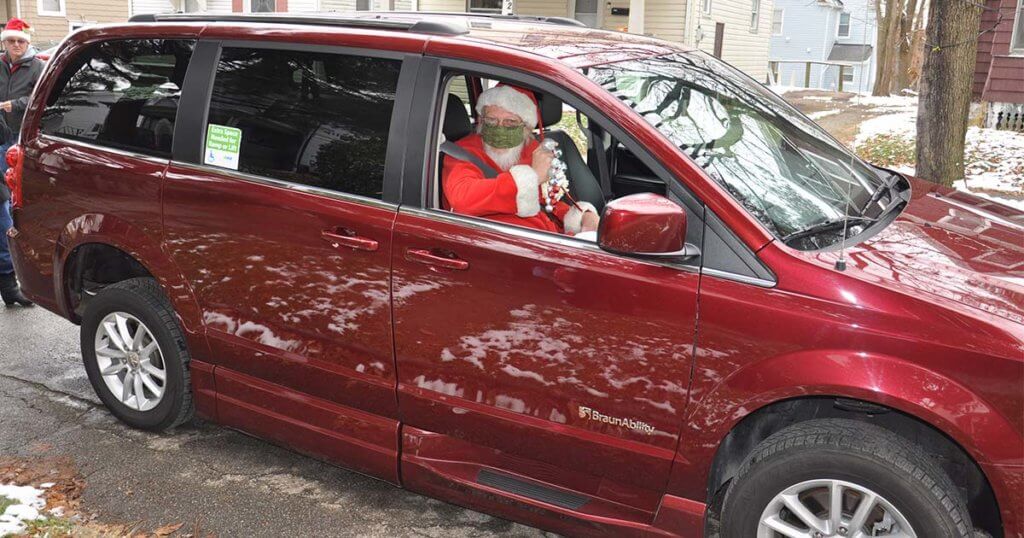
349,20
562,21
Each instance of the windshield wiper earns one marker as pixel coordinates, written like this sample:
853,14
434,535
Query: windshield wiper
828,226
888,184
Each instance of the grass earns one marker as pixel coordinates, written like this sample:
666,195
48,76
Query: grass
49,527
5,502
887,150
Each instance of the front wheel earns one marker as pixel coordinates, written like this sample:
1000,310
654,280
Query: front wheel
135,355
841,478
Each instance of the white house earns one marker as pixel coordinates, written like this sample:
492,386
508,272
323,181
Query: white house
813,40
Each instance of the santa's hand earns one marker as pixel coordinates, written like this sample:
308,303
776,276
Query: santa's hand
590,222
542,163
6,106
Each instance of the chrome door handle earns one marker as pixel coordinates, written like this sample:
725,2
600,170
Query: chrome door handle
422,255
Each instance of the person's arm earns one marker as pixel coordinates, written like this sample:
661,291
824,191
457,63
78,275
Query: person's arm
19,105
470,193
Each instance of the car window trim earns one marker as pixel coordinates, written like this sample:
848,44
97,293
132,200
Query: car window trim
535,235
157,159
288,185
202,73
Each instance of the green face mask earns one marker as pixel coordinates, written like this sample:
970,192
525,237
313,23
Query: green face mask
500,137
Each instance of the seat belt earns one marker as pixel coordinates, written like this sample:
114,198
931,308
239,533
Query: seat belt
454,150
602,163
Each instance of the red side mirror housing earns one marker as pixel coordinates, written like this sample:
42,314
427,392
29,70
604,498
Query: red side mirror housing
644,224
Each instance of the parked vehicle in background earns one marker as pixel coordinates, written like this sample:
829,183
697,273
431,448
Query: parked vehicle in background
243,214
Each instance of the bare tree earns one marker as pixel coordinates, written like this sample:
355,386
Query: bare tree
951,44
900,37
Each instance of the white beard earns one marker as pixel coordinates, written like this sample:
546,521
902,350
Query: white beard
505,158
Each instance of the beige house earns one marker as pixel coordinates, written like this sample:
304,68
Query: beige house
54,19
739,31
736,30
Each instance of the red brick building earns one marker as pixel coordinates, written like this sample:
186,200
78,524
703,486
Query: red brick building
999,73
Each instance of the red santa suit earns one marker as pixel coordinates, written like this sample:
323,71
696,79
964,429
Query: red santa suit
513,197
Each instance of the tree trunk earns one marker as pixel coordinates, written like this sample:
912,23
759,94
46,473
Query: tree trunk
949,56
888,46
904,71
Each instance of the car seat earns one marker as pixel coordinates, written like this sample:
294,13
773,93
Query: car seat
583,186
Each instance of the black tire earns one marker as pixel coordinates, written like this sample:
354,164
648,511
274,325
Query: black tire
856,452
142,298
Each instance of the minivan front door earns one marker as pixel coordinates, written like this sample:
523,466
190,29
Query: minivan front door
539,361
283,232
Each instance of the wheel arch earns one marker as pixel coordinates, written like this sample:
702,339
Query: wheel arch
98,235
765,397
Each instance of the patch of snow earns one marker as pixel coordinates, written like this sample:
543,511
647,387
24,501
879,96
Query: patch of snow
781,90
28,501
821,114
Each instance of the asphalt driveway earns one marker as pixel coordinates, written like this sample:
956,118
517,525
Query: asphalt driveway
201,475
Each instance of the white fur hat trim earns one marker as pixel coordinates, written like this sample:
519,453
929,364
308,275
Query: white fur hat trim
17,34
511,100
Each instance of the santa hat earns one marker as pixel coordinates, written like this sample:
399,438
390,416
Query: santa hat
519,101
17,29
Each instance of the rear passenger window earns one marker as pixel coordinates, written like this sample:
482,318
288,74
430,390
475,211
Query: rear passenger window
313,118
122,94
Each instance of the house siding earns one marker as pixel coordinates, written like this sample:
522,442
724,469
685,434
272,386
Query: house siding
1004,82
543,8
51,29
665,19
743,48
442,5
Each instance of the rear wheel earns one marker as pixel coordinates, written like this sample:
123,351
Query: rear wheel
841,478
135,355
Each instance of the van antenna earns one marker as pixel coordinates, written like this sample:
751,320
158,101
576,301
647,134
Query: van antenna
841,261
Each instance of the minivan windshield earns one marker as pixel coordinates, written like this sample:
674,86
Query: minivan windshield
782,167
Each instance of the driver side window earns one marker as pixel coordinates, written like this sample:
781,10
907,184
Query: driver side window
597,168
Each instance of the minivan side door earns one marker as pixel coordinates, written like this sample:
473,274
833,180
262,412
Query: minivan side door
278,219
534,363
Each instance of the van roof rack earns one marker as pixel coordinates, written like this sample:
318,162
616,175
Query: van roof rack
426,26
427,22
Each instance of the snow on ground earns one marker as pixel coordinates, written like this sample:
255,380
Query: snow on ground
823,113
994,159
28,502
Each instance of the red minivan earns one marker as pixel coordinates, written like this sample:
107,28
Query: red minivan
769,336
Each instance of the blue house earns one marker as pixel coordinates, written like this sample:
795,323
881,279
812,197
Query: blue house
813,41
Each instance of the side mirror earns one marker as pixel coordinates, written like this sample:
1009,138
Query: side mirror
647,225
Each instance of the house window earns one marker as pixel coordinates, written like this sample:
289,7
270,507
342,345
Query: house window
484,6
755,14
1017,42
777,21
844,25
707,6
51,7
261,6
848,75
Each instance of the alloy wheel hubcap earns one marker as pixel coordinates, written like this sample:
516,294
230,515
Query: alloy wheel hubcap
831,508
130,361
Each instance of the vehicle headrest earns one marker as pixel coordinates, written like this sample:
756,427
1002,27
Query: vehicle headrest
550,108
456,119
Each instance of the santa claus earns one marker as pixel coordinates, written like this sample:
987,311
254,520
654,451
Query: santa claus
504,141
